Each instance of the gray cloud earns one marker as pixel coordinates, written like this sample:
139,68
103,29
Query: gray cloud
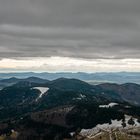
72,28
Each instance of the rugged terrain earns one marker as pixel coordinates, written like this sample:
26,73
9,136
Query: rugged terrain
35,108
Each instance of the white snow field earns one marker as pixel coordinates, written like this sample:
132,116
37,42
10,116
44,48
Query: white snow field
109,105
42,90
107,127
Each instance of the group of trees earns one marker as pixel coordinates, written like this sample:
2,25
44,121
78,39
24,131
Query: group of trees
89,115
130,122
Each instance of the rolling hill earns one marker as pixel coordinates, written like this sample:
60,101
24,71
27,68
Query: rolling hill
36,108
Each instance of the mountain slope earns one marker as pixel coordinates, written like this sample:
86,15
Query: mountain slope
129,92
71,84
22,96
66,106
13,80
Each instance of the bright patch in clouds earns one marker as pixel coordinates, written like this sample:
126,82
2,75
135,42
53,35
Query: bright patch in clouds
54,64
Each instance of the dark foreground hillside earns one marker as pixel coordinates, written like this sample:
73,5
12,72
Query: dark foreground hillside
52,110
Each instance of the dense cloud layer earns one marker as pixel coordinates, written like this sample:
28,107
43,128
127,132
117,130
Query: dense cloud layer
73,28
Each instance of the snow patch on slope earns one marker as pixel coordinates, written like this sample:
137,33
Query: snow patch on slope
80,97
109,105
42,90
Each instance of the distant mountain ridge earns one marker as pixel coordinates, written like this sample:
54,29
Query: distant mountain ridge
13,80
94,78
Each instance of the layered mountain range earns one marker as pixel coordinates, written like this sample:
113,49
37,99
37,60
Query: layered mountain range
35,106
93,78
72,88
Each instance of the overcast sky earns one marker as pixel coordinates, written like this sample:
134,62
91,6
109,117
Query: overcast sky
70,35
